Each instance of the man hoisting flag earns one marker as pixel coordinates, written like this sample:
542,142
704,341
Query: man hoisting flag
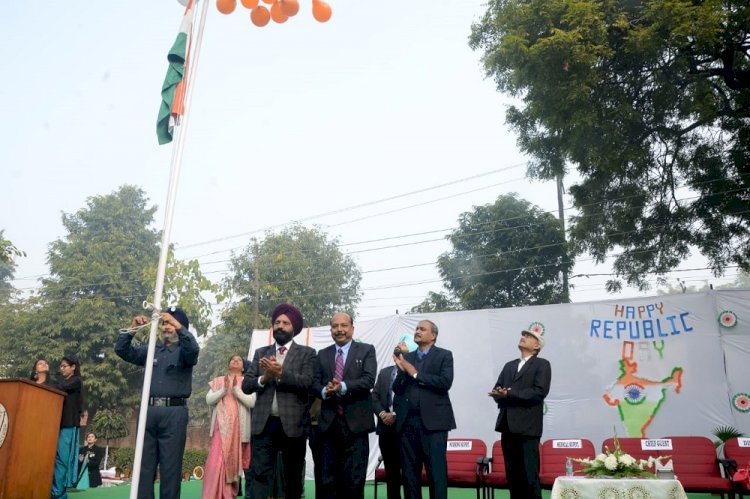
173,88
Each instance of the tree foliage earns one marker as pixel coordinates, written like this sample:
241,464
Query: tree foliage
505,254
649,100
109,424
435,302
8,251
185,285
299,265
100,272
681,288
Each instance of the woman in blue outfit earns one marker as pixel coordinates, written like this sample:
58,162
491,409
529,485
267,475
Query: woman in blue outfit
66,460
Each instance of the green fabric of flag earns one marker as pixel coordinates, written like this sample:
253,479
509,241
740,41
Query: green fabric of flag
175,73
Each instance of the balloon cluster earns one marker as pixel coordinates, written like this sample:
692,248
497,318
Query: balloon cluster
280,10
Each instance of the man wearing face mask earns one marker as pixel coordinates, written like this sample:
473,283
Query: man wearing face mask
171,385
281,375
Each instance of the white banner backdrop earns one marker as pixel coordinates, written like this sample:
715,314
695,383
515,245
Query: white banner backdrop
648,367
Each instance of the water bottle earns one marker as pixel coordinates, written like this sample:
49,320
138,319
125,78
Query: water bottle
569,467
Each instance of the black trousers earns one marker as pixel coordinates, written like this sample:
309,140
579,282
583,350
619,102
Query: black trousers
522,465
315,450
95,478
163,446
388,441
344,456
420,446
265,446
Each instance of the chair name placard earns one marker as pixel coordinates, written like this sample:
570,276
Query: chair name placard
567,444
743,442
460,445
656,444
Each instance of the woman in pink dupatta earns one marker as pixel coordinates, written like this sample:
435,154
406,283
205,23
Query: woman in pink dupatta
230,433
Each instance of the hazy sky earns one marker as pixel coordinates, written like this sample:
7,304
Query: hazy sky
384,105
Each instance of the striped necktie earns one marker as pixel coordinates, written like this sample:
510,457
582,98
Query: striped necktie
339,375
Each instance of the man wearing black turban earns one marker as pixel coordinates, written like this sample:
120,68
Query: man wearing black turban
281,375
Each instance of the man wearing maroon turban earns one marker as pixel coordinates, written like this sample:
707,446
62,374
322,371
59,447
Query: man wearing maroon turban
281,375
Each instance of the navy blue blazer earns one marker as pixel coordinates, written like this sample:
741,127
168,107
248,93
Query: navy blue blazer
434,379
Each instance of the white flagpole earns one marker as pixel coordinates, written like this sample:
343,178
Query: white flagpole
174,176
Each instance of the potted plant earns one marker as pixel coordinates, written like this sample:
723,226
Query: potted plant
724,433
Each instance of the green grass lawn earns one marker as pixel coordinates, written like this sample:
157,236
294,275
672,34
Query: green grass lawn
192,490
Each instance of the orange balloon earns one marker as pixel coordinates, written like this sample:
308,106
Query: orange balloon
260,16
226,6
290,7
321,11
249,4
276,14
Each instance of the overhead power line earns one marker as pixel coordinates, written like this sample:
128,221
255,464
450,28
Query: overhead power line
517,227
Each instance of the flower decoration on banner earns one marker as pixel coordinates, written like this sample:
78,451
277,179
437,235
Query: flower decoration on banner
616,463
728,319
537,327
279,11
741,402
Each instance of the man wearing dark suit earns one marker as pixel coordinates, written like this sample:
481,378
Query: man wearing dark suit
281,375
424,413
345,377
519,392
388,439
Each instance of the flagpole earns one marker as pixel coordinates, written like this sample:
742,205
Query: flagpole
174,176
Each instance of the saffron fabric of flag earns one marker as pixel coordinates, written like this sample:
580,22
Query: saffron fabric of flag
174,86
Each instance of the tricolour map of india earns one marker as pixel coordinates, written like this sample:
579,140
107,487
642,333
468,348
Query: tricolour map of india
638,399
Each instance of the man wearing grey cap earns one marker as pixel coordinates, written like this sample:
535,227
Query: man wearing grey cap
519,392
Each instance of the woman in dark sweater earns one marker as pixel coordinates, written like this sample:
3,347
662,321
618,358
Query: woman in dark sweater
66,460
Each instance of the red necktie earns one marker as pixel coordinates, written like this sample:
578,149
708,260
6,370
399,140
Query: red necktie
338,375
282,350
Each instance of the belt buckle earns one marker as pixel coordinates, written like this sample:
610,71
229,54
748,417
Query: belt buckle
160,401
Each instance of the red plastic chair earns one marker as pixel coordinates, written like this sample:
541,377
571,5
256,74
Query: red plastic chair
736,457
696,465
553,457
493,476
465,457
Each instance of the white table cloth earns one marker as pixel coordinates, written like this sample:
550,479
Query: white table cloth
574,487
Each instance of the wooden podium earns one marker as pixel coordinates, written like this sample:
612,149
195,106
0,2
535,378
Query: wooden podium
29,427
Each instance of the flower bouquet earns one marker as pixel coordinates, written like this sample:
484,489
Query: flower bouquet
619,464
